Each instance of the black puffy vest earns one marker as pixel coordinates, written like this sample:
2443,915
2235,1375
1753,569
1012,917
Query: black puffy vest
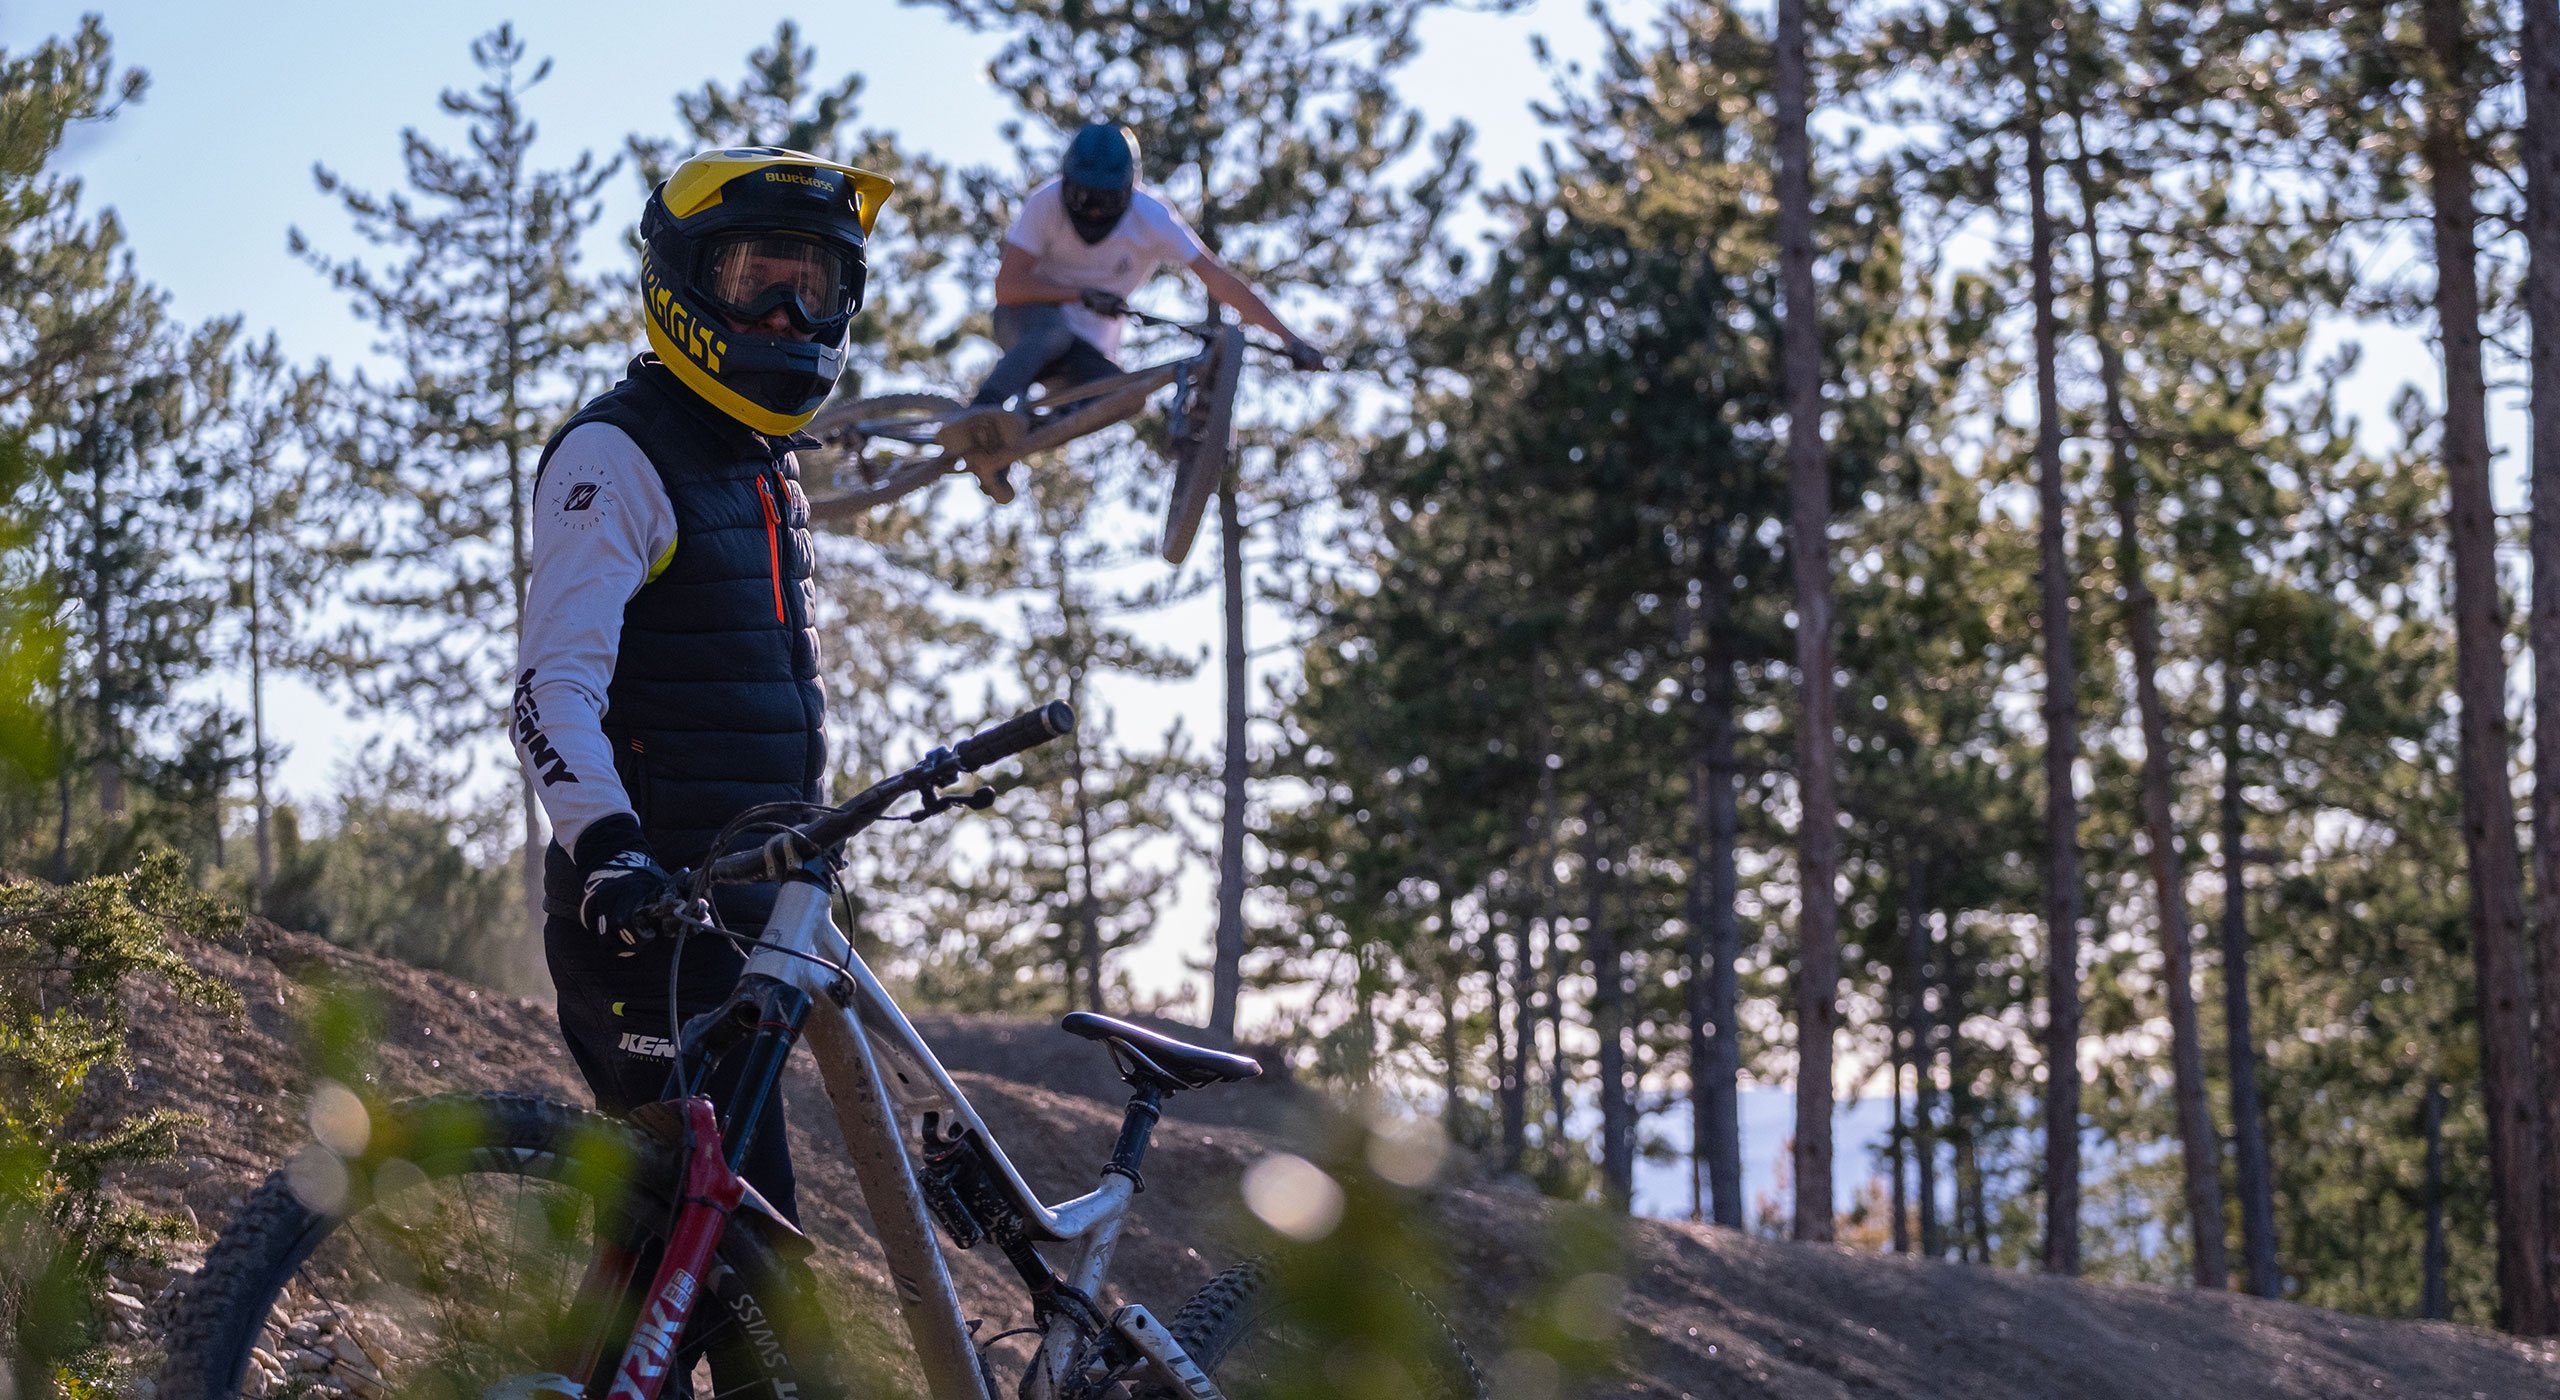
714,705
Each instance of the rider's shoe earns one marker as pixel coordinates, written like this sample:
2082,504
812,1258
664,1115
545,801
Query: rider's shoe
981,428
995,479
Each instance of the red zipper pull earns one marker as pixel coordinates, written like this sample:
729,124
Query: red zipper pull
772,545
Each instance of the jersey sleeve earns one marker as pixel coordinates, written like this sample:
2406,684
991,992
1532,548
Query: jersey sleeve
1176,244
1030,229
602,527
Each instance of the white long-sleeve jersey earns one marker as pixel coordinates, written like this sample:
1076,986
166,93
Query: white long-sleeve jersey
602,527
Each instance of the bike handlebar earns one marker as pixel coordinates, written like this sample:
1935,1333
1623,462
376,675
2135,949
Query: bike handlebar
939,769
1027,730
1202,330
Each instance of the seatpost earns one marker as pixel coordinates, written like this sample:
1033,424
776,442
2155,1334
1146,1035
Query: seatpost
1145,1107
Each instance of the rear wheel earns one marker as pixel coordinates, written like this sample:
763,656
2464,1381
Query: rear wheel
1202,446
840,480
443,1258
1235,1329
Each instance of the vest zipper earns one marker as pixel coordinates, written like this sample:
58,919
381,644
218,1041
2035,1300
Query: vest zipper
772,545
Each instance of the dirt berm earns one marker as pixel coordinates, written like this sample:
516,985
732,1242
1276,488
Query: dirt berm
1705,1312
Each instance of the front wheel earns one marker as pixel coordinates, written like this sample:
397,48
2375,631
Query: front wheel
1203,443
440,1255
1238,1330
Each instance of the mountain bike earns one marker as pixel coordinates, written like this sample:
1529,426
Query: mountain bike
881,448
500,1247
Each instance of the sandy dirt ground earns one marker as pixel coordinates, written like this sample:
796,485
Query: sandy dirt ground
1703,1312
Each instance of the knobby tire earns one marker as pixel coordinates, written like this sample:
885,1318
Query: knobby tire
753,1319
1228,1329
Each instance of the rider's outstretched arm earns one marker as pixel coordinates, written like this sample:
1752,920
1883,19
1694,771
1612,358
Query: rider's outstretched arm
1223,284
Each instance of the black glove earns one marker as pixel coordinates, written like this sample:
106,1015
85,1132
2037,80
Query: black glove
627,897
1105,303
1304,355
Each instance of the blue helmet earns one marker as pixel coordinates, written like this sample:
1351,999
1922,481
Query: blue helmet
1097,179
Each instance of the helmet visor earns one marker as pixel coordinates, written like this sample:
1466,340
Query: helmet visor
749,276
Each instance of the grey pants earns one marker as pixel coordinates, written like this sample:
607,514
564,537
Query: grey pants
1038,344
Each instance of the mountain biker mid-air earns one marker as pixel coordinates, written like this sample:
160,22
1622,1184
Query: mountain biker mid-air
1080,245
667,677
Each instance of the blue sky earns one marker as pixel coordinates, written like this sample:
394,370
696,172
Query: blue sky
213,166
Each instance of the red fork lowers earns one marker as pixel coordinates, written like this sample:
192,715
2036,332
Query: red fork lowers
711,1192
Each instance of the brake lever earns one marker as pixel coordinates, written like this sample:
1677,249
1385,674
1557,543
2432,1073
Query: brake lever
937,802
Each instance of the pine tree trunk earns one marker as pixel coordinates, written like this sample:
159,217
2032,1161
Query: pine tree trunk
1502,990
1809,497
258,710
1723,1108
2253,1173
1084,922
1559,965
2062,748
1087,919
2541,151
1964,1117
1918,960
109,767
1898,1142
1226,977
1608,1021
1713,942
2200,1152
61,864
526,955
2431,1299
1524,1033
2507,1068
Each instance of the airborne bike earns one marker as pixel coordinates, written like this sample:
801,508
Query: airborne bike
881,448
502,1247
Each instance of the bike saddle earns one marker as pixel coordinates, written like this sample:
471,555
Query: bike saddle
1147,1058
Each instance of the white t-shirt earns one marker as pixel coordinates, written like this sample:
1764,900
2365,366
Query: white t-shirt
1149,238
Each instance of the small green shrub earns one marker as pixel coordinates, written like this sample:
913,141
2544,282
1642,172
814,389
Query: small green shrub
65,950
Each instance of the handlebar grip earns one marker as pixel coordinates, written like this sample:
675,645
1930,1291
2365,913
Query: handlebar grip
1027,730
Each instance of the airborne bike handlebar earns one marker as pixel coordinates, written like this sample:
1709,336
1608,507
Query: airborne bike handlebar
1202,330
935,771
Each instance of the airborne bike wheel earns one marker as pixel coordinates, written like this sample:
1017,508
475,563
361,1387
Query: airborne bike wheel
1200,452
838,479
1236,1331
441,1262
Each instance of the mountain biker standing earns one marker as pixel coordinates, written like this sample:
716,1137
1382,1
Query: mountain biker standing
1079,246
667,676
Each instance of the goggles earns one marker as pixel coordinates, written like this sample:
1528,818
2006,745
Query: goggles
1094,203
749,276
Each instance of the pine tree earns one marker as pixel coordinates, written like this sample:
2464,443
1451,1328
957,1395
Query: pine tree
2524,1177
284,553
1073,880
493,328
2540,52
1276,129
1809,491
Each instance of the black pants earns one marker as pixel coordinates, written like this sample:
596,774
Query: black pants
1038,344
614,1016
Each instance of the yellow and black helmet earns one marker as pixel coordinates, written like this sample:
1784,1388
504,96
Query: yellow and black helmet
734,237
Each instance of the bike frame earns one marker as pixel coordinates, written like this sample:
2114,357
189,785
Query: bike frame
882,1080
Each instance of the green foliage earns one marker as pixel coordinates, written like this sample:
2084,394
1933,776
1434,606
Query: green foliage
399,870
1361,1267
66,952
